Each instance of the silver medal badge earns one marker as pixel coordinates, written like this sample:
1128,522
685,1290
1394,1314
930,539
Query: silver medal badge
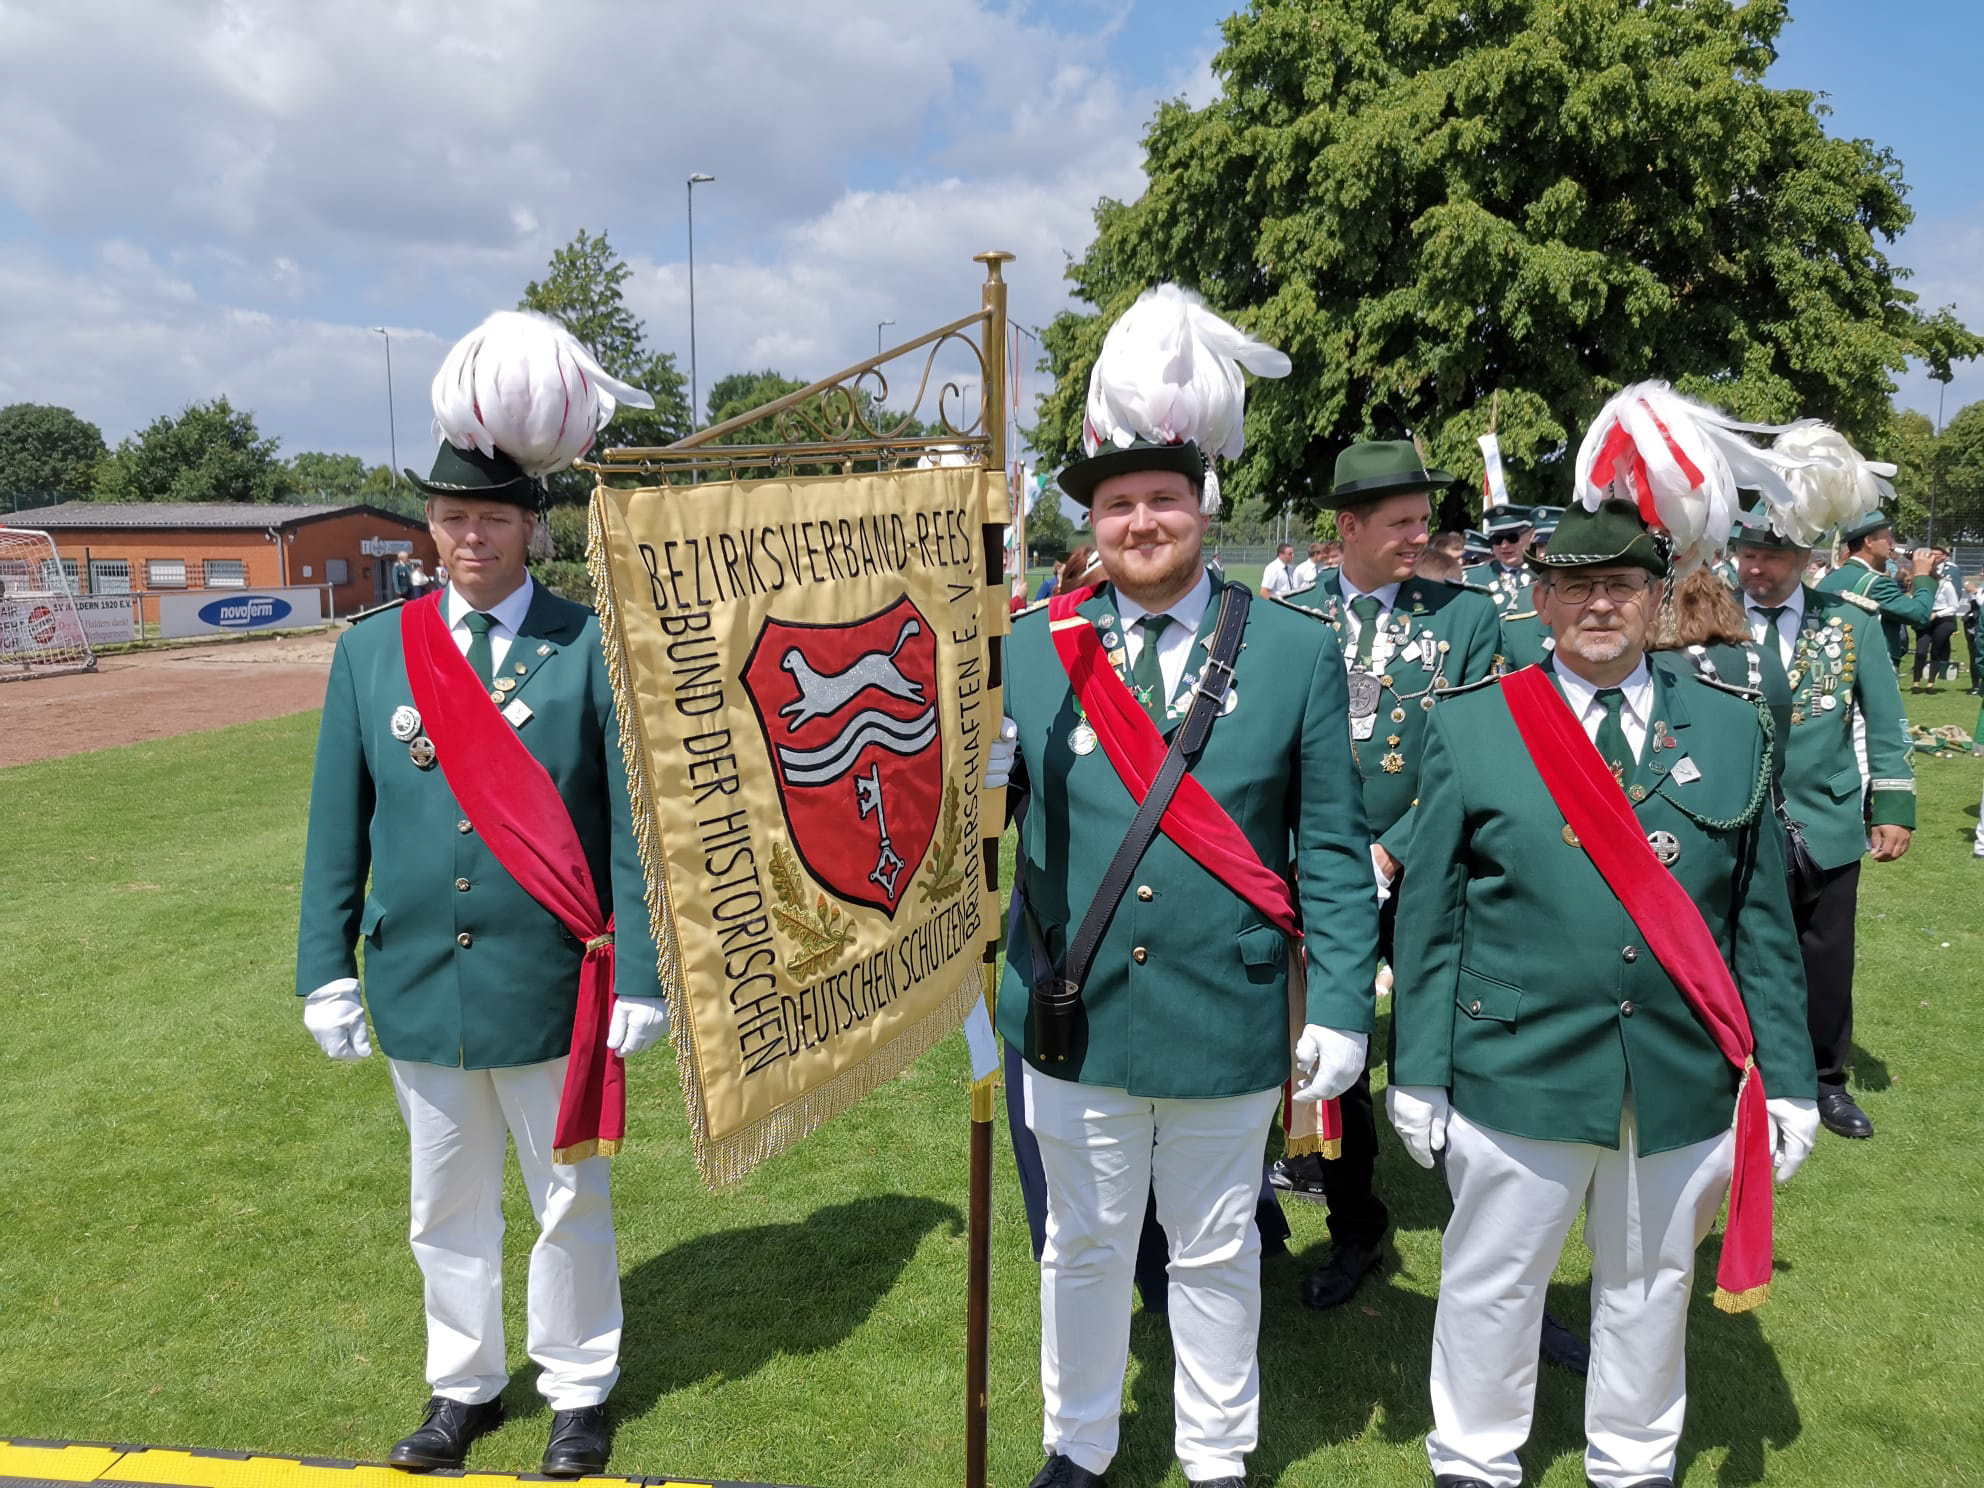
406,722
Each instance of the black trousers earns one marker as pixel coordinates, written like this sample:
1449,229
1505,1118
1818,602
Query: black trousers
1825,938
1932,648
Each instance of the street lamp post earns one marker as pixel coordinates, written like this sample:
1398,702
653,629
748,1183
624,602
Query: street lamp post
878,334
695,392
392,421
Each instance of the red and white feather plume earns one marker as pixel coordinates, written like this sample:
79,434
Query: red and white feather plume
523,384
1170,371
1681,462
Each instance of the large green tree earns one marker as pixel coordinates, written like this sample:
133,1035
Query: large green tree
47,455
325,477
583,289
207,452
1427,203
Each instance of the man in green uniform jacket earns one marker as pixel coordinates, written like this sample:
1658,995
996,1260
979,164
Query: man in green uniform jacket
1576,1074
1830,655
1181,1039
1406,641
471,983
1503,576
1869,543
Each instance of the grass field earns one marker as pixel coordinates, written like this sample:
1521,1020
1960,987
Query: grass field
202,1224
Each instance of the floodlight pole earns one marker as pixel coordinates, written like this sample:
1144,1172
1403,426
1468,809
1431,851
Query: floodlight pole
392,420
695,393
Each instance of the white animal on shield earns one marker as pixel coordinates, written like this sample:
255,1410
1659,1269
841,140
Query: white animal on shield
823,693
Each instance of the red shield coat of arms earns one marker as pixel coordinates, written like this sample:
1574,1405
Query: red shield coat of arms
850,716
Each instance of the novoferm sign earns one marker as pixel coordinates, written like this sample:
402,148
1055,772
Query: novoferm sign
212,611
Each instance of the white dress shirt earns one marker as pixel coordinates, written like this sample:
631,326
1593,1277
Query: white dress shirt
1305,573
1353,629
1633,717
1787,623
508,613
1277,578
1174,647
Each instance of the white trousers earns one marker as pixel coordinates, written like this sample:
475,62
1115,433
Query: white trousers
1514,1201
1103,1151
456,1120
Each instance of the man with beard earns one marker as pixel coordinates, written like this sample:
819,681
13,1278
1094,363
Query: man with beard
1406,641
1828,652
1147,976
1626,805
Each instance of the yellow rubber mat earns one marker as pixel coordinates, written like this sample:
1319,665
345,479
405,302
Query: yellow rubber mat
45,1464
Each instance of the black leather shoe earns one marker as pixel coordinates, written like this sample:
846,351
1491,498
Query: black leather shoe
1336,1281
1064,1472
1448,1480
1560,1346
443,1438
1299,1177
579,1443
1840,1116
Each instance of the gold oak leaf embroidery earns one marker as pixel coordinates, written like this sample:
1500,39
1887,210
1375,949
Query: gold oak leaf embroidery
946,876
822,934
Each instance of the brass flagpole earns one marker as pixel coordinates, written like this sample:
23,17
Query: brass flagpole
984,1093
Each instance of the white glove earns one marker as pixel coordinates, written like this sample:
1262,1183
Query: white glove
637,1022
336,1020
1794,1127
1419,1115
1331,1059
999,758
1383,878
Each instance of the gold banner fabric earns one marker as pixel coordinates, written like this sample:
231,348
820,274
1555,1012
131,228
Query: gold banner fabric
801,671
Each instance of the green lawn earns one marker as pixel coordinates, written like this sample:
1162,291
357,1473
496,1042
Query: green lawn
202,1227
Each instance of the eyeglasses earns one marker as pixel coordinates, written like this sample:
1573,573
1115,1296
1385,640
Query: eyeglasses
1619,588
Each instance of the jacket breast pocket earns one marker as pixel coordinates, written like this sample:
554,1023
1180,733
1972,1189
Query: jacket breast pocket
369,922
1486,1000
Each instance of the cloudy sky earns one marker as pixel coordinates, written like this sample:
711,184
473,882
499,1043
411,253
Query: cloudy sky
204,197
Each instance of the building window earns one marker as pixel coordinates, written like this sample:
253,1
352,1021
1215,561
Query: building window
226,573
55,579
165,573
337,571
110,576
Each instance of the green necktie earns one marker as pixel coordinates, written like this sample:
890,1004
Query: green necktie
1611,740
481,659
1365,607
1146,676
1773,641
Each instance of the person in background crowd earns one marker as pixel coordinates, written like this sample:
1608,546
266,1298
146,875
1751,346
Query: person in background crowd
1332,553
399,579
1968,620
1503,575
1308,568
419,581
1870,546
1932,641
1279,576
1442,567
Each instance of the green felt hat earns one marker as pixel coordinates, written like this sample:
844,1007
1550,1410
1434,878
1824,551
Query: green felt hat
1613,534
1080,479
470,473
1865,525
1506,521
1374,468
1755,530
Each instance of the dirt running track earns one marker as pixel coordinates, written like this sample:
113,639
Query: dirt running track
157,694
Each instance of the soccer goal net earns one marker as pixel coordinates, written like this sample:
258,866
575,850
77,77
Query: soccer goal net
41,635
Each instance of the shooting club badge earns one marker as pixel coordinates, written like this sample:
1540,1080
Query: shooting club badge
849,712
406,723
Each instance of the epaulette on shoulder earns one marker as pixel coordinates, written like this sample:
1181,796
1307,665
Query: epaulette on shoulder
1748,694
1519,615
1287,602
1028,609
391,604
1860,601
1463,584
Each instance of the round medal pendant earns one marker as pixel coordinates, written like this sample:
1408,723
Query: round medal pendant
406,722
1828,702
421,752
1081,739
1666,847
1364,693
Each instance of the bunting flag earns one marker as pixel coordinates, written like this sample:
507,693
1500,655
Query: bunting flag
801,670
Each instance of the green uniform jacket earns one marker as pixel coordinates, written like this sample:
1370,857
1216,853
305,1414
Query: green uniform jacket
1508,587
1900,609
1743,666
1525,989
1188,992
462,967
1526,640
1456,635
1822,784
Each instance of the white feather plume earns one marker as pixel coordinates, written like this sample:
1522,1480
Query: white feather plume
1833,484
523,384
1170,371
1694,459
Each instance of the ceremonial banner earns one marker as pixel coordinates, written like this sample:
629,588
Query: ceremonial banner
801,669
1494,488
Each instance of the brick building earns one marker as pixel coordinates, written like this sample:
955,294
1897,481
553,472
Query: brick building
153,547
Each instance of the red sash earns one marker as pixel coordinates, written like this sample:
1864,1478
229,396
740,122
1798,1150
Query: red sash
1192,819
517,810
1598,813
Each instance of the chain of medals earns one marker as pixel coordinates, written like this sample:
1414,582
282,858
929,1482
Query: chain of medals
1393,643
1821,667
